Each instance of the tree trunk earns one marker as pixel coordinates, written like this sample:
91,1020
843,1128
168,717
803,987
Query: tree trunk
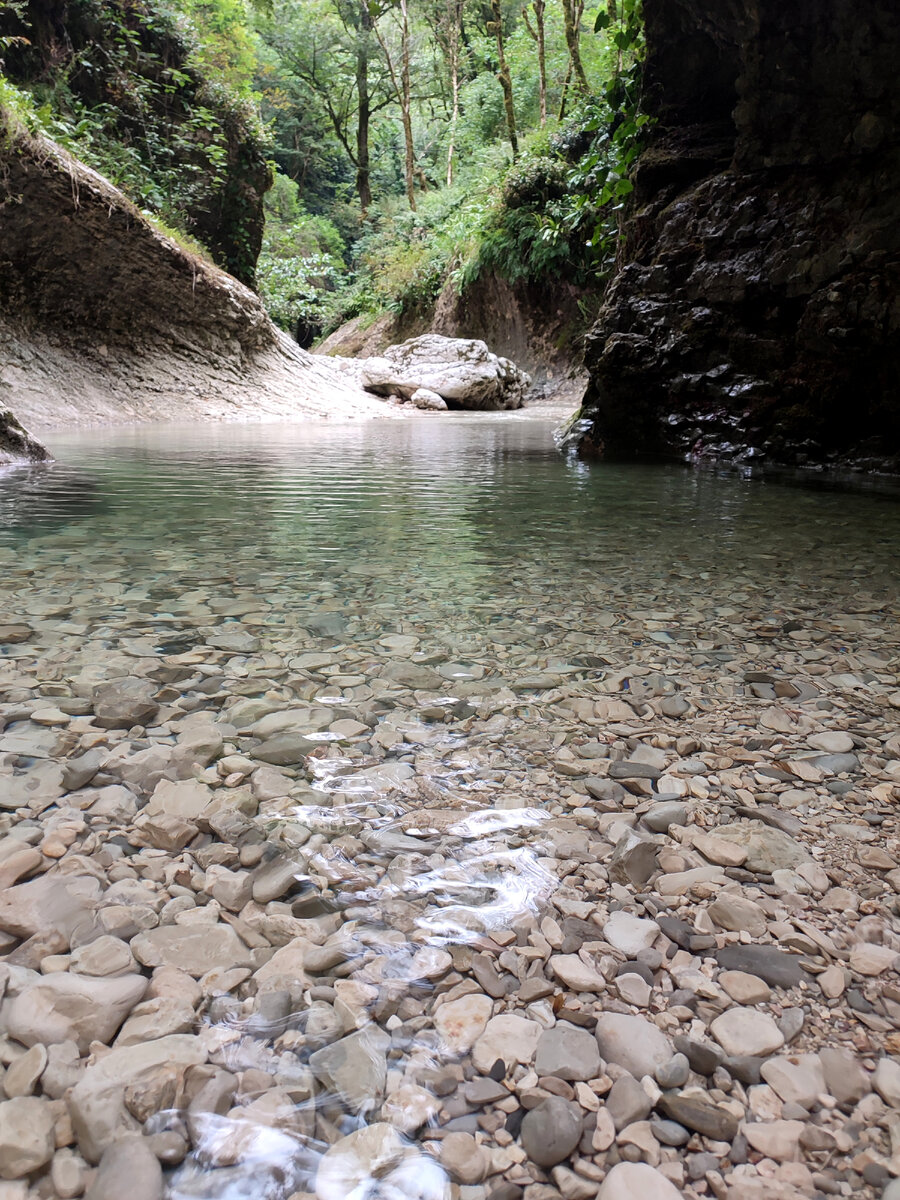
450,43
454,116
406,108
564,98
505,77
572,10
363,181
538,33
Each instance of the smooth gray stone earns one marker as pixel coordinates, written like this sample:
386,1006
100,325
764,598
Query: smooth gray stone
776,967
661,816
674,1073
128,1168
837,764
627,1102
329,624
703,1057
551,1131
484,1091
569,1053
703,1116
669,1133
626,769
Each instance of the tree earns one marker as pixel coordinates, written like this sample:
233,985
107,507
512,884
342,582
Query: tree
328,45
495,26
363,27
401,80
573,10
446,19
538,32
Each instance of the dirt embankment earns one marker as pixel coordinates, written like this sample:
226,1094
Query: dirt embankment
103,318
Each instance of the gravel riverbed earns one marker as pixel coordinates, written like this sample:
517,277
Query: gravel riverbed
317,892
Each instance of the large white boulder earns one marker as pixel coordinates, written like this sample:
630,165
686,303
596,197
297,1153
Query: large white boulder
462,371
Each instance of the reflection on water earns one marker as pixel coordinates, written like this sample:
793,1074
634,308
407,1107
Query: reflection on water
410,496
44,496
299,563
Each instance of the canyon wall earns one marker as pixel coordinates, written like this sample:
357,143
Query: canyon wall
755,311
104,318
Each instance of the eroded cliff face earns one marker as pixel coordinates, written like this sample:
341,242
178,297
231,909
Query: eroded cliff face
129,64
755,313
105,319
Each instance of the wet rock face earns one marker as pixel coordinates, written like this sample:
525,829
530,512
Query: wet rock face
754,315
16,443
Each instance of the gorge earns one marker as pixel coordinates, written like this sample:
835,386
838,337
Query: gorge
405,809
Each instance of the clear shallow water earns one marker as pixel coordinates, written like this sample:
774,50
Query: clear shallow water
473,538
477,494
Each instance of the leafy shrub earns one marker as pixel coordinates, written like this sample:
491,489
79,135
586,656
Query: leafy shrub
534,181
301,261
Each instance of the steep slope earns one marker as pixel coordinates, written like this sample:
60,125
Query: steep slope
755,312
174,134
103,318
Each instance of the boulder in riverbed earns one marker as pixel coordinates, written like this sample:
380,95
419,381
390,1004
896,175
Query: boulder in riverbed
462,371
16,443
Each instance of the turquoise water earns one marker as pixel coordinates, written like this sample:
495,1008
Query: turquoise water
461,507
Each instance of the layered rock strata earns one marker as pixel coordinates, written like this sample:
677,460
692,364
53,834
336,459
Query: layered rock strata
105,318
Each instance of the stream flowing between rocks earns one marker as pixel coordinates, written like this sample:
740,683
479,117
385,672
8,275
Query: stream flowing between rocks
400,811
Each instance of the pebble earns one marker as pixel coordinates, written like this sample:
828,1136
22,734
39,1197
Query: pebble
461,1022
508,1037
737,913
567,1052
127,1168
674,1073
630,934
886,1081
633,1043
769,963
373,1156
637,1181
463,1159
22,1075
776,1139
627,1102
697,1112
26,1136
744,988
746,1032
551,1131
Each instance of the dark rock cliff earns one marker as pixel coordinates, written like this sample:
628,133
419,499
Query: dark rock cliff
16,443
755,313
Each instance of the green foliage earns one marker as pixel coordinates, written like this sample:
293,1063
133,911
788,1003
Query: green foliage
301,261
554,213
174,100
143,93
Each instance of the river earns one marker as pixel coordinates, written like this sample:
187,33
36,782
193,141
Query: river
399,692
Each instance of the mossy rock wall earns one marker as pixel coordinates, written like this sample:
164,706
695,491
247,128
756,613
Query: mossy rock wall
169,136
